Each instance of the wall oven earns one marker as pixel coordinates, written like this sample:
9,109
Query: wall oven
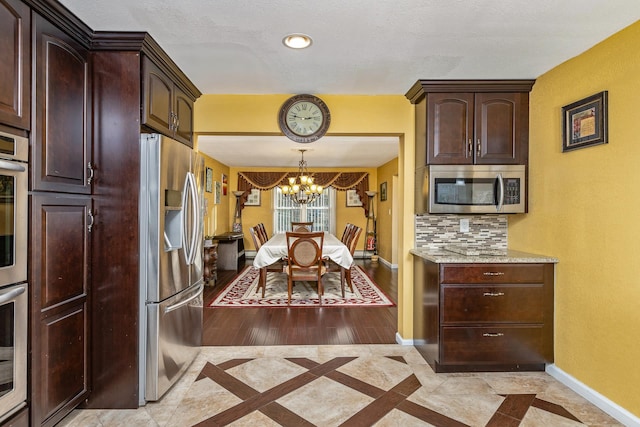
471,189
14,151
14,174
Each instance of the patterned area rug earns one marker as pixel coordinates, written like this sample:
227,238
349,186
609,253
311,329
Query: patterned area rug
241,292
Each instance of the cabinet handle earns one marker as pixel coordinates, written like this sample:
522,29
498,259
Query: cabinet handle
91,173
91,220
470,149
493,273
176,122
493,334
478,149
494,294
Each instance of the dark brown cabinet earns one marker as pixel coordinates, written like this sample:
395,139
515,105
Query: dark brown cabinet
60,276
61,154
166,108
471,122
484,317
15,64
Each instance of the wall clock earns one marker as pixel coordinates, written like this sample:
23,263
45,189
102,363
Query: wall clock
304,118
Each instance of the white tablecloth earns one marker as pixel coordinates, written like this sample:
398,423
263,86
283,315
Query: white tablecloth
276,249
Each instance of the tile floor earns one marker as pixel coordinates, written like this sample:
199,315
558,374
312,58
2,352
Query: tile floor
359,385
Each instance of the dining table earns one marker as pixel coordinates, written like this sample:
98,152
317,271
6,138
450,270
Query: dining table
275,249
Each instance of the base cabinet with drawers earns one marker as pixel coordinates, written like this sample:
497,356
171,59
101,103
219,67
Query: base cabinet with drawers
484,317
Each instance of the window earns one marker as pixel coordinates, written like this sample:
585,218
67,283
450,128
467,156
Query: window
322,211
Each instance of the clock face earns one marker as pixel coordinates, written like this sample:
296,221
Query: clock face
304,118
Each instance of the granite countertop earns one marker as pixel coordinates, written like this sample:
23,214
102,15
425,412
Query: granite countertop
442,256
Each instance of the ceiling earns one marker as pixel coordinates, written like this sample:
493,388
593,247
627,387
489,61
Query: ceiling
359,47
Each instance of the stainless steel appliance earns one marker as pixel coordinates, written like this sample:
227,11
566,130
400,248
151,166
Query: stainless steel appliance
471,189
13,349
171,280
14,172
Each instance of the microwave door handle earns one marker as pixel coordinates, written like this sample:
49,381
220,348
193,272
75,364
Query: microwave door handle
5,298
500,193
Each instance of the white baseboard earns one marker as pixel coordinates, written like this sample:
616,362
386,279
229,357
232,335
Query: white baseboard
608,406
387,263
402,341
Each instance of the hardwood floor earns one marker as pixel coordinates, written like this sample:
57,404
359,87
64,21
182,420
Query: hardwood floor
304,325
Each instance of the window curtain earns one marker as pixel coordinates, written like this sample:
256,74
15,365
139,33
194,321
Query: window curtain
341,181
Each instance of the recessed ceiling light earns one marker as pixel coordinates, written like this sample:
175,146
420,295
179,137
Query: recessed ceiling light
297,41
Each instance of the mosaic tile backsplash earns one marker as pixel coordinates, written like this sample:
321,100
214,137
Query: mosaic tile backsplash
437,231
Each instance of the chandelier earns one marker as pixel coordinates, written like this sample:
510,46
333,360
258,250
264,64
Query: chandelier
301,188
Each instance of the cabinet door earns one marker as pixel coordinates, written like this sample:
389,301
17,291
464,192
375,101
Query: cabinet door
157,105
59,273
449,128
15,63
61,143
184,116
497,128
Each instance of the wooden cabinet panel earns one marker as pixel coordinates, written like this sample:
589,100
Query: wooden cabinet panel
15,64
184,116
63,379
497,128
449,128
60,274
21,419
61,144
492,273
500,304
492,345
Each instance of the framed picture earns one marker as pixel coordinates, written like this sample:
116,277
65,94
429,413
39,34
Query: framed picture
383,192
254,198
585,122
224,184
217,193
209,181
353,199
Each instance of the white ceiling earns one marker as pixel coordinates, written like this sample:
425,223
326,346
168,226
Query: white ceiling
360,46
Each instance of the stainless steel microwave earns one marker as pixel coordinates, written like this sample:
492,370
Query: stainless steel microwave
471,189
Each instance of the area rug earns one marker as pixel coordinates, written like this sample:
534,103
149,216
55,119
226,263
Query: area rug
241,292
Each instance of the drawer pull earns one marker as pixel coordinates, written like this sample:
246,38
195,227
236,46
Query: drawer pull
493,273
492,335
494,294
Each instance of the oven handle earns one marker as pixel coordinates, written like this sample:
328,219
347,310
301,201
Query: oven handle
5,298
11,166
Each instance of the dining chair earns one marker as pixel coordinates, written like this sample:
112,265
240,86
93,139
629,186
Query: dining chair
345,273
302,226
304,261
348,229
278,267
263,233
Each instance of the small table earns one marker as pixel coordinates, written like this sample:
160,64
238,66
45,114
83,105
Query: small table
230,251
276,248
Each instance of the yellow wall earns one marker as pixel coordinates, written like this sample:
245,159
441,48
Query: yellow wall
585,210
350,115
216,218
383,210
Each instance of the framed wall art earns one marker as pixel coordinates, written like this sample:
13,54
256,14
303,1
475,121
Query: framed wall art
217,194
224,184
353,199
383,192
209,181
254,198
585,122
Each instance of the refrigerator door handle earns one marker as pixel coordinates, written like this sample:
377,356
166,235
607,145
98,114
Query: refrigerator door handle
186,301
195,223
185,198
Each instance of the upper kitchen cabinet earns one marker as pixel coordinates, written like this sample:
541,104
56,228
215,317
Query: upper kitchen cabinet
166,108
61,143
15,63
471,121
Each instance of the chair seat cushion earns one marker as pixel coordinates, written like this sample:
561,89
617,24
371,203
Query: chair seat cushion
305,273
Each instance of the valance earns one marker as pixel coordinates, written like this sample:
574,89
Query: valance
341,181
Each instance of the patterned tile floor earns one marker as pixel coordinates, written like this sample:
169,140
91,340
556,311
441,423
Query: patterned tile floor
360,385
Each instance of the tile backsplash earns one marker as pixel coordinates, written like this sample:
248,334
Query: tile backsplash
485,231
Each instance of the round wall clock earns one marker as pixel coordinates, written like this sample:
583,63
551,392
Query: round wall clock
304,118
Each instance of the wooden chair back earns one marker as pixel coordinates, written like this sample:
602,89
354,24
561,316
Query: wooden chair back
304,249
255,236
353,239
302,226
263,233
346,234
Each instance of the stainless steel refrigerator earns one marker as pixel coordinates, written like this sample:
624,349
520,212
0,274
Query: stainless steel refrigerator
171,282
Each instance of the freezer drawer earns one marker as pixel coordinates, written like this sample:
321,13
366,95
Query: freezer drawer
174,336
